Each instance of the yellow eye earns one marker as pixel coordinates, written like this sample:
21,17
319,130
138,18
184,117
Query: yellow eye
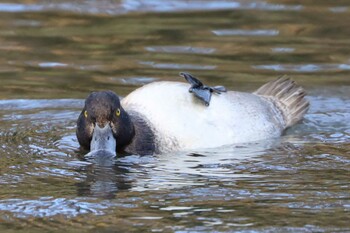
117,112
85,114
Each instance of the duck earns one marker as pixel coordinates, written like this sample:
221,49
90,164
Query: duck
163,117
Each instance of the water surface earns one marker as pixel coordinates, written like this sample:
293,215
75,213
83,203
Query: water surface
54,53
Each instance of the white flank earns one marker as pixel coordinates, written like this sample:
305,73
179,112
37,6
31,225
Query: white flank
182,122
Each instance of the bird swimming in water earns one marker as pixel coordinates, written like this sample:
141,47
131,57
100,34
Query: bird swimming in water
161,117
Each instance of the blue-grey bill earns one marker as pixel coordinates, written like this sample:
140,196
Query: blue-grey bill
103,143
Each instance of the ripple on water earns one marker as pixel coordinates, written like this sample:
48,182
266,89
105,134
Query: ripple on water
283,50
137,81
28,104
326,121
304,67
17,7
52,64
339,9
49,206
180,49
244,32
59,65
177,66
108,7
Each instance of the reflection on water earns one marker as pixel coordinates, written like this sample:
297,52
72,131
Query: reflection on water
55,52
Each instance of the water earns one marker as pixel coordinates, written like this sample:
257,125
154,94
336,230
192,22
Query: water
53,53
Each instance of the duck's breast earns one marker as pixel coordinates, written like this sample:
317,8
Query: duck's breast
181,121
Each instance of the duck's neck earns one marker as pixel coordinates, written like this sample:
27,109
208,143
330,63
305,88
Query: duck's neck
143,141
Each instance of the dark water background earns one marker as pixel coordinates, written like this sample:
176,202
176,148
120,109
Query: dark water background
53,53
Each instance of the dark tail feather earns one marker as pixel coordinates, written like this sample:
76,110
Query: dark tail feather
289,96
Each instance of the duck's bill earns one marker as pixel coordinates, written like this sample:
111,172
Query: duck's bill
103,142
